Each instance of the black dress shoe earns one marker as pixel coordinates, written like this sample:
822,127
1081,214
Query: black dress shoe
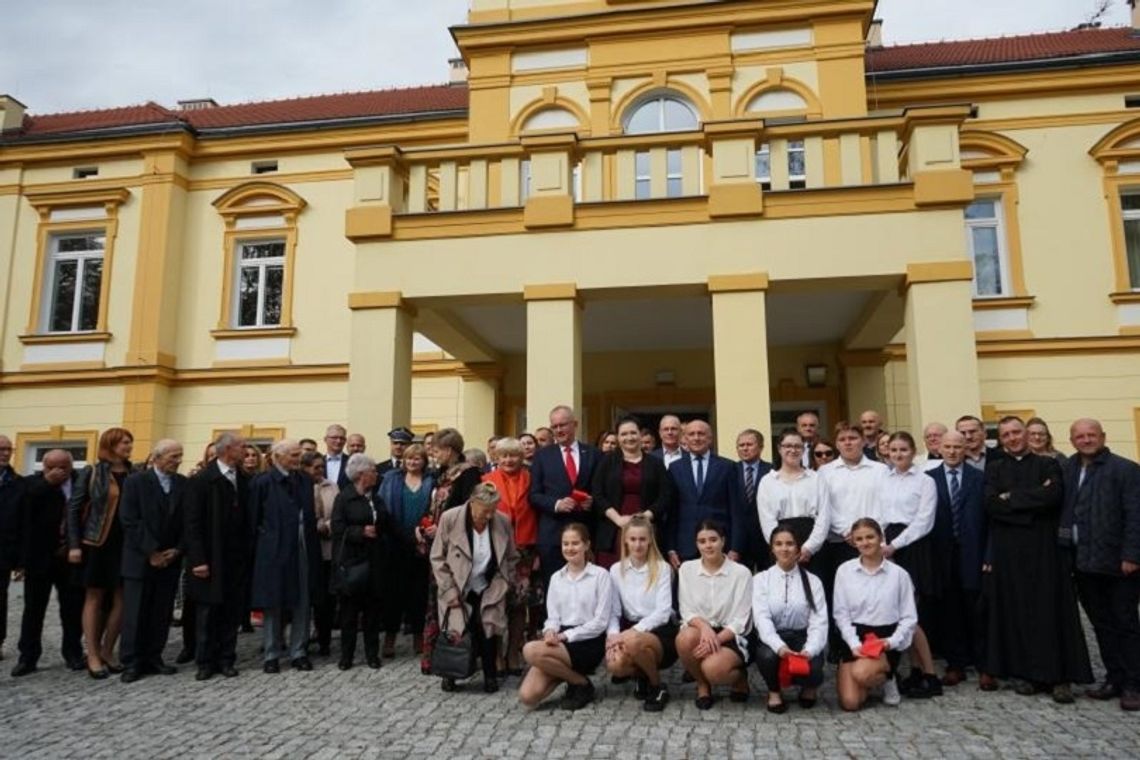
77,664
302,663
779,709
580,697
344,665
130,675
271,666
229,671
374,663
641,689
490,685
22,669
184,657
162,669
204,674
447,684
114,669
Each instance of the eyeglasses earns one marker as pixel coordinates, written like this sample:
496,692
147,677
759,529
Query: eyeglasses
824,454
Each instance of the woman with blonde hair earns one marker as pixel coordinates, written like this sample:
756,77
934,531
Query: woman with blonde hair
95,540
641,640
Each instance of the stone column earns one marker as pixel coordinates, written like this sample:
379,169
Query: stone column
740,350
553,350
380,363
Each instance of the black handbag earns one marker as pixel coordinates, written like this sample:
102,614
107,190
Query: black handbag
454,659
355,576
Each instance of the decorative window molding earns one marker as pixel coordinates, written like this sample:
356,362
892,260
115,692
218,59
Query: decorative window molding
661,87
261,243
30,446
779,96
660,112
86,221
1118,153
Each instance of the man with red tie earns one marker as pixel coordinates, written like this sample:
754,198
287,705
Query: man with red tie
560,478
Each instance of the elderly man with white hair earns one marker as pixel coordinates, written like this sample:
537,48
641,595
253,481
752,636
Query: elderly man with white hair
150,511
287,559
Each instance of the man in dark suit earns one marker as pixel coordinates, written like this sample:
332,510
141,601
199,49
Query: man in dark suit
749,446
11,511
670,431
217,530
335,456
398,439
959,541
43,564
560,478
150,511
706,487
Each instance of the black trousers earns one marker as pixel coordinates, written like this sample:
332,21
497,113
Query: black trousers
957,628
406,595
768,662
37,594
324,611
5,577
352,609
217,629
148,604
487,647
189,619
1111,603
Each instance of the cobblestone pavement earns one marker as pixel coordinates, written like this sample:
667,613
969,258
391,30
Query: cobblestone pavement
397,713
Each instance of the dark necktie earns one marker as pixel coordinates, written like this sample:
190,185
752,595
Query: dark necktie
749,484
700,474
955,502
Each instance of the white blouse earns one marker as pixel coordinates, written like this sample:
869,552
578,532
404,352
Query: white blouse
723,599
779,604
909,498
480,561
644,606
583,605
806,496
852,491
882,597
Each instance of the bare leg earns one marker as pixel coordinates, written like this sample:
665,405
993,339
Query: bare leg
859,677
723,667
687,641
621,665
646,652
114,627
535,687
920,654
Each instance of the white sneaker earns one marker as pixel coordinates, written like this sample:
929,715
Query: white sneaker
891,696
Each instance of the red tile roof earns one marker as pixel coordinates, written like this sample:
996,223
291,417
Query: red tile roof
1030,47
443,98
395,102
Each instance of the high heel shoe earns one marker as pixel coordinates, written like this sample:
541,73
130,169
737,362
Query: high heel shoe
99,674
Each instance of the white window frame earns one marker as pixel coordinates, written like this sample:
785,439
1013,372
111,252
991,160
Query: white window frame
657,100
524,180
678,176
997,222
797,181
1129,215
764,180
643,180
262,265
34,463
54,257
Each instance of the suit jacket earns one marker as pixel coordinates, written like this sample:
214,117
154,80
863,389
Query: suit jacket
216,532
973,529
11,517
43,527
753,547
342,476
283,509
383,467
656,493
720,499
549,483
151,519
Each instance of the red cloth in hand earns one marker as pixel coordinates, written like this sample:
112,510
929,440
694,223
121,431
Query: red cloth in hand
873,646
793,666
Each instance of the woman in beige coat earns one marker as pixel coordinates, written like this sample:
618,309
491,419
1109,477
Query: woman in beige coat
473,559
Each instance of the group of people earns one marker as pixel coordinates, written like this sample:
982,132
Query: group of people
550,557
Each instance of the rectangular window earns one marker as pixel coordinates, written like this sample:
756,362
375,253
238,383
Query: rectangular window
34,454
797,166
641,176
524,180
986,238
673,174
1130,210
74,282
260,283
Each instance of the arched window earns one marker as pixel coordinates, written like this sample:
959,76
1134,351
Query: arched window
661,112
551,118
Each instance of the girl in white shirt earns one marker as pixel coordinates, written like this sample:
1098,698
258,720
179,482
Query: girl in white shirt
795,496
789,610
873,596
909,500
716,608
642,635
579,603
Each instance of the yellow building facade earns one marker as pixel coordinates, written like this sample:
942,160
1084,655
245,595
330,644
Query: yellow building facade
737,209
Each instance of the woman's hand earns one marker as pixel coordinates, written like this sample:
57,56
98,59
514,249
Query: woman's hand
888,551
370,531
552,638
429,532
614,643
784,652
709,643
75,556
805,556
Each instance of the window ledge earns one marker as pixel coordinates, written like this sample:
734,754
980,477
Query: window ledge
1004,302
76,337
1127,296
254,332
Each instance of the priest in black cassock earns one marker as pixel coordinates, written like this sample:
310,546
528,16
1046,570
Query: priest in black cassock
1034,630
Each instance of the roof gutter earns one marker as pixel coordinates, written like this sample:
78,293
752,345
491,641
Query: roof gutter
1007,67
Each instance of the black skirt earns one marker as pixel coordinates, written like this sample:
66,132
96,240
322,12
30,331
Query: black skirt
918,560
587,654
102,565
667,635
883,632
